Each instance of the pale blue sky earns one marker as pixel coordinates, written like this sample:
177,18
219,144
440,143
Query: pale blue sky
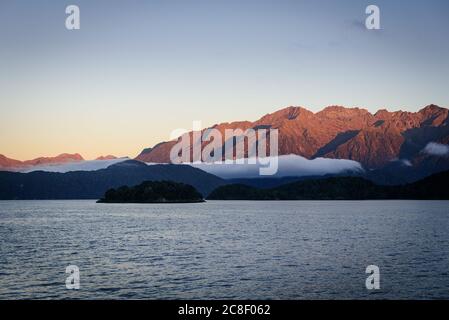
139,69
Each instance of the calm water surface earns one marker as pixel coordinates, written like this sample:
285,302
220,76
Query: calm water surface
224,250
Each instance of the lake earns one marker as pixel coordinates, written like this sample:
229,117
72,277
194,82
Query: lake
225,249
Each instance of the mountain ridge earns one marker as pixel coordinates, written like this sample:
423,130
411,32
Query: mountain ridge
338,132
7,163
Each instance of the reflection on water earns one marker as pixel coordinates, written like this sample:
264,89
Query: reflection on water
224,250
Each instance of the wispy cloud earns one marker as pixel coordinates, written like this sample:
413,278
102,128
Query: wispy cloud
404,162
436,149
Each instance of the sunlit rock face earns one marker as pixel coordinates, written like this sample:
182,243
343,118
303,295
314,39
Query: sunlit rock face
373,140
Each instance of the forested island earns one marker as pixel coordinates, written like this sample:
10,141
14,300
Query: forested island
153,192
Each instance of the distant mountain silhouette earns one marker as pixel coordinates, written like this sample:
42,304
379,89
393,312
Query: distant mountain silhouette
93,184
435,187
108,157
11,164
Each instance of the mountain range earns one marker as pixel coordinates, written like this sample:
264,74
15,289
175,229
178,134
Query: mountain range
391,146
345,133
16,165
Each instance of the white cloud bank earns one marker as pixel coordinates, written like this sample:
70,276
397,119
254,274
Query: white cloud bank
289,165
436,149
90,165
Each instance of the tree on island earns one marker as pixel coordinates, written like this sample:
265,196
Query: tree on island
153,192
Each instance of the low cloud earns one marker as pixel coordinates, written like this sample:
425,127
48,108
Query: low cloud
404,162
289,165
90,165
436,149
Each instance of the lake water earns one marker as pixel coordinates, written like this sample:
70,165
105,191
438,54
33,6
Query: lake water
225,250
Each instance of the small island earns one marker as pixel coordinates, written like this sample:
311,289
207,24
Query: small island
153,192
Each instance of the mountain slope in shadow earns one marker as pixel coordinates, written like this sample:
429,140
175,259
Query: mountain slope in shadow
93,184
435,187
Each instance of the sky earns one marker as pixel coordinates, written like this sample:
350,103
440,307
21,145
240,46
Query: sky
137,70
